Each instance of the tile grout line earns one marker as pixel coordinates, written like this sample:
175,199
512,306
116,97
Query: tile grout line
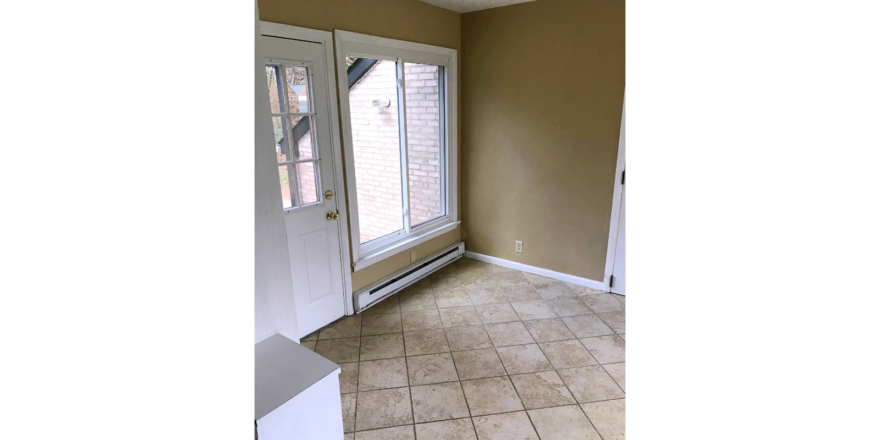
485,415
531,422
460,384
555,370
461,387
357,387
406,362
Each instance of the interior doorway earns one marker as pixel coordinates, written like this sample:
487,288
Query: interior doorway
615,262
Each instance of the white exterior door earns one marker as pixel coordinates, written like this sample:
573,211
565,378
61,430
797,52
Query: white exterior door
297,79
619,275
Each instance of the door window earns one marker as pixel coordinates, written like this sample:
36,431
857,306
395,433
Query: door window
293,124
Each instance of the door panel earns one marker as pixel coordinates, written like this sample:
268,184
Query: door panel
297,80
318,264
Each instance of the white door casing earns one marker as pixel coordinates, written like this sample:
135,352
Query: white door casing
619,273
274,305
314,239
617,217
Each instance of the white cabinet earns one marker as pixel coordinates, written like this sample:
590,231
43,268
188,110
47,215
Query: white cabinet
297,393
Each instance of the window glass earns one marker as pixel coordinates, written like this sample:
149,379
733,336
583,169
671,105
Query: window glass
295,151
298,89
376,144
423,142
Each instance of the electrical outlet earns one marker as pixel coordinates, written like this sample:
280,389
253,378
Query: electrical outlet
412,256
518,246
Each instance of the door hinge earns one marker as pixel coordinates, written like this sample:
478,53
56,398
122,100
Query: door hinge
611,281
623,178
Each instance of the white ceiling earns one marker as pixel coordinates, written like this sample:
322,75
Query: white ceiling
463,6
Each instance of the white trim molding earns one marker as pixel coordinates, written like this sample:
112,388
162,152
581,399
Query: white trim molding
403,245
615,204
326,40
586,282
350,43
274,308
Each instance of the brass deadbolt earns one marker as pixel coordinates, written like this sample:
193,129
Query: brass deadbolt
328,194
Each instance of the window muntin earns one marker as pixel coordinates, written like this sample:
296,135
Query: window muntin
293,126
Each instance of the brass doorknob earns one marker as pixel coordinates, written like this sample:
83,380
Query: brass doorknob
332,216
328,194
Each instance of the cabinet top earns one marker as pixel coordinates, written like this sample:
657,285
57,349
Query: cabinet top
282,370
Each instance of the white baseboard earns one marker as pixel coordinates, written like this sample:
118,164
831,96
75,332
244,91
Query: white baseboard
593,284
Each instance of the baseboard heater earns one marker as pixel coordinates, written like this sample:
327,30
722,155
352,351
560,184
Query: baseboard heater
376,292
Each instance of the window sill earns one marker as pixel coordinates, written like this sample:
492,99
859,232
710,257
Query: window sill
402,245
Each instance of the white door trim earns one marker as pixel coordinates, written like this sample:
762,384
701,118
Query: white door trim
593,284
326,39
615,204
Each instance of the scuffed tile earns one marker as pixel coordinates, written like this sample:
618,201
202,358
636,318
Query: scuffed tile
459,429
618,373
549,330
425,342
468,338
452,298
495,313
441,401
603,303
381,324
615,320
417,301
521,292
510,426
491,396
339,350
542,389
589,384
478,364
563,423
348,378
569,307
431,368
523,359
347,327
415,320
383,373
554,290
609,418
567,354
383,408
382,347
459,317
587,326
606,349
537,309
509,333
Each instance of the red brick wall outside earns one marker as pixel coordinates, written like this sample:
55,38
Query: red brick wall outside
376,153
305,172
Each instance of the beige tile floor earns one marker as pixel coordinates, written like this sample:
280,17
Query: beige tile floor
479,351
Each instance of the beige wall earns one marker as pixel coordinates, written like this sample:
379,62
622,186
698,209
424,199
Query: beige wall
408,20
542,88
